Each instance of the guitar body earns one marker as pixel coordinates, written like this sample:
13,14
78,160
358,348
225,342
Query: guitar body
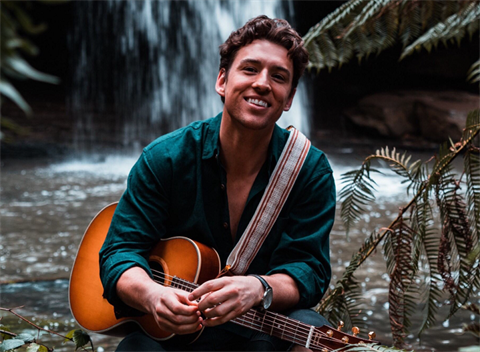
183,264
177,256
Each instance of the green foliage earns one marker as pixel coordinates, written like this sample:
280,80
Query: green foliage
452,254
11,344
15,23
33,347
79,337
357,193
32,344
364,27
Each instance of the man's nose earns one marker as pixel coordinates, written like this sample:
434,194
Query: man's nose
262,82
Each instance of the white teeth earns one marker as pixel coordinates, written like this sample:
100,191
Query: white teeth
257,102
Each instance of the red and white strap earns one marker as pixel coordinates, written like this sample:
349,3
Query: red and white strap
279,186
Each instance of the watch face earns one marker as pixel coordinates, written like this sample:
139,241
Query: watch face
267,298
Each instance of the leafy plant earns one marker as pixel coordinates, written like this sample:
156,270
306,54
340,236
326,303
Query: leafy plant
12,341
412,239
14,24
360,28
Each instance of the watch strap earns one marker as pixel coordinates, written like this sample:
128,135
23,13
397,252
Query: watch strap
264,282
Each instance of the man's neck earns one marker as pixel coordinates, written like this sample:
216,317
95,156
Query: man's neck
243,151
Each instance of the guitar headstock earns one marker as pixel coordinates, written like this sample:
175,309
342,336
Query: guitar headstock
336,338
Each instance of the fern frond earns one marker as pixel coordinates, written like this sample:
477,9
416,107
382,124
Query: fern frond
472,126
343,305
456,242
472,308
425,243
358,191
335,298
398,163
401,303
473,74
454,27
472,172
473,328
362,27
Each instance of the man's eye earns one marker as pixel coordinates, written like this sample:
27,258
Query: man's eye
249,69
279,77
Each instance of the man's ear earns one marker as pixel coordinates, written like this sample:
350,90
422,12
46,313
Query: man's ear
220,84
290,100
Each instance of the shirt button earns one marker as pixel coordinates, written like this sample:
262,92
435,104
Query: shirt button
222,187
225,225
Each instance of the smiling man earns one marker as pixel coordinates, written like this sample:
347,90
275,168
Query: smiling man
205,182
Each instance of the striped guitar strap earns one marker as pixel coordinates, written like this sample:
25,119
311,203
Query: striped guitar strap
279,186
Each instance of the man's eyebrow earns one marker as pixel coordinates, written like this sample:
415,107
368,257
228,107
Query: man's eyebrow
255,61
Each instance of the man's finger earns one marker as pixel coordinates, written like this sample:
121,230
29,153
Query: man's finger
207,287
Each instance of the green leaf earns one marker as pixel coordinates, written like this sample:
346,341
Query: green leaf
23,44
69,336
33,347
11,344
25,337
9,91
19,65
80,338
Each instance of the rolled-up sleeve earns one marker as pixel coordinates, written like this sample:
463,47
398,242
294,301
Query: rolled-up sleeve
137,225
303,251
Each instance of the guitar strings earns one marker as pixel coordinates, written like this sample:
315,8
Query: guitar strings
249,321
297,332
188,285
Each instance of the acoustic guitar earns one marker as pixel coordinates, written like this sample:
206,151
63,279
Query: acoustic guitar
180,263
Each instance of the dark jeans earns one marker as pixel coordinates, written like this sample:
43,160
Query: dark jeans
226,337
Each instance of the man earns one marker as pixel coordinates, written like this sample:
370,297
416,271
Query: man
204,182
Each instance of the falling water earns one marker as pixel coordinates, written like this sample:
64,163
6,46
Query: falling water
143,68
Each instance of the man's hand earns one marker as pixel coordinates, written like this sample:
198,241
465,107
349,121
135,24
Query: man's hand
226,298
172,309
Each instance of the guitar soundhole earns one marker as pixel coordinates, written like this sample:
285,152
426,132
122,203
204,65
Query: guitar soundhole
158,272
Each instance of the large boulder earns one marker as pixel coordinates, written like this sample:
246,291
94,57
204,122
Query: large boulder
432,115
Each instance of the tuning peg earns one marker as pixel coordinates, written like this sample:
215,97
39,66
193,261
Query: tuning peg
341,324
345,339
329,333
325,349
371,335
355,331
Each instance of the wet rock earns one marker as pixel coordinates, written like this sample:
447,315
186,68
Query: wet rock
431,115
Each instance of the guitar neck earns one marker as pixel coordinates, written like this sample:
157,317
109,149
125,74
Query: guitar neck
271,323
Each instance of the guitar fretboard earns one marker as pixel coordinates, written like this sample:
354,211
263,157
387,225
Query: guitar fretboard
271,323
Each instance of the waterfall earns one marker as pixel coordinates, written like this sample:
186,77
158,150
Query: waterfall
144,68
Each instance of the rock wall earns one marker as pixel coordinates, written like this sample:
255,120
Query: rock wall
432,115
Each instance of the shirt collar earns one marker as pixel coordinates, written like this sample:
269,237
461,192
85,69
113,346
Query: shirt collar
211,147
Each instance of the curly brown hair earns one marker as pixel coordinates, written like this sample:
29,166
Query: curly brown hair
275,30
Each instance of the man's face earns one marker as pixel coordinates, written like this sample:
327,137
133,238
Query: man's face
258,87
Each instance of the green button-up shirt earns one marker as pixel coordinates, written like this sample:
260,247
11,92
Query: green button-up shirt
178,188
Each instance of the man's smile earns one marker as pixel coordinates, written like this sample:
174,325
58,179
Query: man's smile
258,102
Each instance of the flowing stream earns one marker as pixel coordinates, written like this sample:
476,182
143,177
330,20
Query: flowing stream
45,208
140,69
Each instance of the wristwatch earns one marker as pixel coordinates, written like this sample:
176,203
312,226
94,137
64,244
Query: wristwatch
268,295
